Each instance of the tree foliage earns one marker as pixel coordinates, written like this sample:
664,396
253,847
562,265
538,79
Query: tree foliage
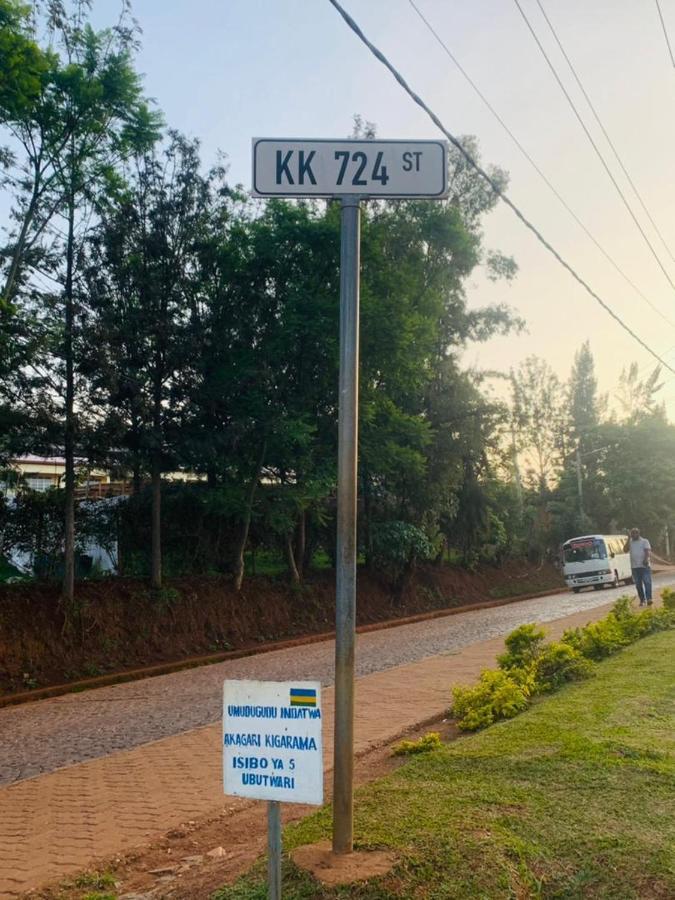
157,321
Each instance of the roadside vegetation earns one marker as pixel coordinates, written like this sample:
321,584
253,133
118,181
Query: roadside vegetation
530,666
574,798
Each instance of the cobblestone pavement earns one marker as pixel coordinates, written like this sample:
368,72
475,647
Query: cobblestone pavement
55,825
46,735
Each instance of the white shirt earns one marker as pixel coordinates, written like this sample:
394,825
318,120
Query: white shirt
637,552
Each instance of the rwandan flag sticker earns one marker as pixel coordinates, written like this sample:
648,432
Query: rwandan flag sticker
303,697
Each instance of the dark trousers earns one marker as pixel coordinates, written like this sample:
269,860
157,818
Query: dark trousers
642,577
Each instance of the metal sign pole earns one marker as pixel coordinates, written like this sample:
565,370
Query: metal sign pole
345,612
274,850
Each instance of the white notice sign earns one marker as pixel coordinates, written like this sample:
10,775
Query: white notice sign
272,747
331,168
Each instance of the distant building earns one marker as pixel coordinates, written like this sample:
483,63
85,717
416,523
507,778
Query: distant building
40,473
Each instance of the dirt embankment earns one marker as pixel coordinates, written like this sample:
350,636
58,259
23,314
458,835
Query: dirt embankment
121,624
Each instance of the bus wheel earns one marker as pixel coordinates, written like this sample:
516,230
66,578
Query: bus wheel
576,590
598,587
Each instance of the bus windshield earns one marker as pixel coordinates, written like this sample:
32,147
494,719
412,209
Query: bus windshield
584,550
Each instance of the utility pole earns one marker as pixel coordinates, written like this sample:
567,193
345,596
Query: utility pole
667,542
345,595
580,485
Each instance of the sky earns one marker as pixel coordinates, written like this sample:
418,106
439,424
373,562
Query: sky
228,70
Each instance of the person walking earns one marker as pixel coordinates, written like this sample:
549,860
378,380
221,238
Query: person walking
640,555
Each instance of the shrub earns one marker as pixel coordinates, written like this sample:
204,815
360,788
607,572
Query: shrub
425,744
523,646
398,546
633,625
623,608
621,627
525,677
598,640
668,597
498,695
559,663
657,620
529,666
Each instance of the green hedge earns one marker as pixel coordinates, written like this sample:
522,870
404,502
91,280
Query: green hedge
530,666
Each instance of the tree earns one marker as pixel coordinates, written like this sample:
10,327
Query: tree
538,413
24,68
25,75
415,259
466,427
85,113
539,424
637,396
581,484
582,398
638,467
139,283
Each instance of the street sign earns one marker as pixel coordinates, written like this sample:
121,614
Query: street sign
297,167
351,171
272,748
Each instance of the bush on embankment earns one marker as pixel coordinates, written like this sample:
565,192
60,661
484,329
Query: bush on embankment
530,666
120,623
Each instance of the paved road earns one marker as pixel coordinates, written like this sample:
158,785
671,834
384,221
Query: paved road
46,735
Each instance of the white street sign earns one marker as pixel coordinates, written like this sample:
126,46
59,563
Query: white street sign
332,168
272,748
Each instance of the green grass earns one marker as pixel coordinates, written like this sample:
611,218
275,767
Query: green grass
573,799
97,880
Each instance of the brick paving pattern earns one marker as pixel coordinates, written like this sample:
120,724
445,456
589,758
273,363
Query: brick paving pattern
44,736
56,824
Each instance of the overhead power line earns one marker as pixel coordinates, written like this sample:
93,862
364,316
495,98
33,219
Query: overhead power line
536,167
594,145
604,130
665,33
493,185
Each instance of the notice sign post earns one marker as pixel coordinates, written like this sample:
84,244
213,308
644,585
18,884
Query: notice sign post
272,750
349,171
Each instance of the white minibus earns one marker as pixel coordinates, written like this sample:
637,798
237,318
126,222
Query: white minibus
596,560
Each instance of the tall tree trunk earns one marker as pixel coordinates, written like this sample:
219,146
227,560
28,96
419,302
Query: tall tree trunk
156,475
136,477
367,518
156,524
301,543
290,559
516,472
136,456
69,448
246,522
118,541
